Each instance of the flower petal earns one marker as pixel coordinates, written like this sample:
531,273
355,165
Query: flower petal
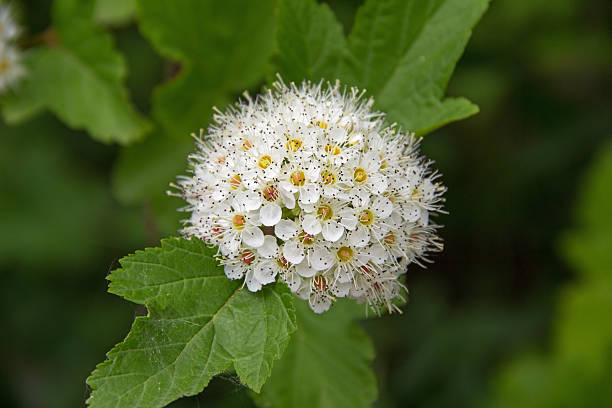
310,193
360,237
269,248
321,259
332,231
265,273
250,200
270,214
293,252
233,271
319,302
377,183
305,270
252,283
285,229
311,224
292,280
253,237
348,218
381,207
411,212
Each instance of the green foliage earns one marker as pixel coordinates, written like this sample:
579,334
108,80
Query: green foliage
402,52
327,363
114,11
310,41
578,371
222,48
78,76
199,324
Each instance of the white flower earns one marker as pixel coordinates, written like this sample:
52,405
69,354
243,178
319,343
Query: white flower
9,29
308,186
11,68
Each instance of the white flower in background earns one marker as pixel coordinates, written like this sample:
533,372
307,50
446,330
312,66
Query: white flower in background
9,29
307,185
11,69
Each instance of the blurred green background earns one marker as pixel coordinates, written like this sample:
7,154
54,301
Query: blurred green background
514,312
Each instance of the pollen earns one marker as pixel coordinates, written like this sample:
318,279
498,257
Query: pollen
345,254
297,178
293,145
366,217
238,221
246,145
270,193
332,149
325,212
235,181
306,239
328,177
390,239
264,161
360,175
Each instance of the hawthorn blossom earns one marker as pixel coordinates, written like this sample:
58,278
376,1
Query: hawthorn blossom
309,186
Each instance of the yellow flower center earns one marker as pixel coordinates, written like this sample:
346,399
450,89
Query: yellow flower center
297,178
235,181
366,217
328,177
360,175
246,145
282,262
321,124
390,239
270,193
264,161
345,254
332,149
383,162
293,145
306,239
325,212
238,221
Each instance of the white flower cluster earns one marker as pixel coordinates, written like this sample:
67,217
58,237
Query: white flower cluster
308,184
11,69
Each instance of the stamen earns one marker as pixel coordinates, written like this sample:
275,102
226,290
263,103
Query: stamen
238,221
298,178
264,161
345,254
360,175
366,217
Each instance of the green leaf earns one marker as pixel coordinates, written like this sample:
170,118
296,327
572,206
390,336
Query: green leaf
80,79
310,41
222,46
114,12
327,363
404,52
199,324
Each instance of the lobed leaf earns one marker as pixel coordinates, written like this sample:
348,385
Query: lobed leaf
80,79
402,52
310,41
199,324
222,47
